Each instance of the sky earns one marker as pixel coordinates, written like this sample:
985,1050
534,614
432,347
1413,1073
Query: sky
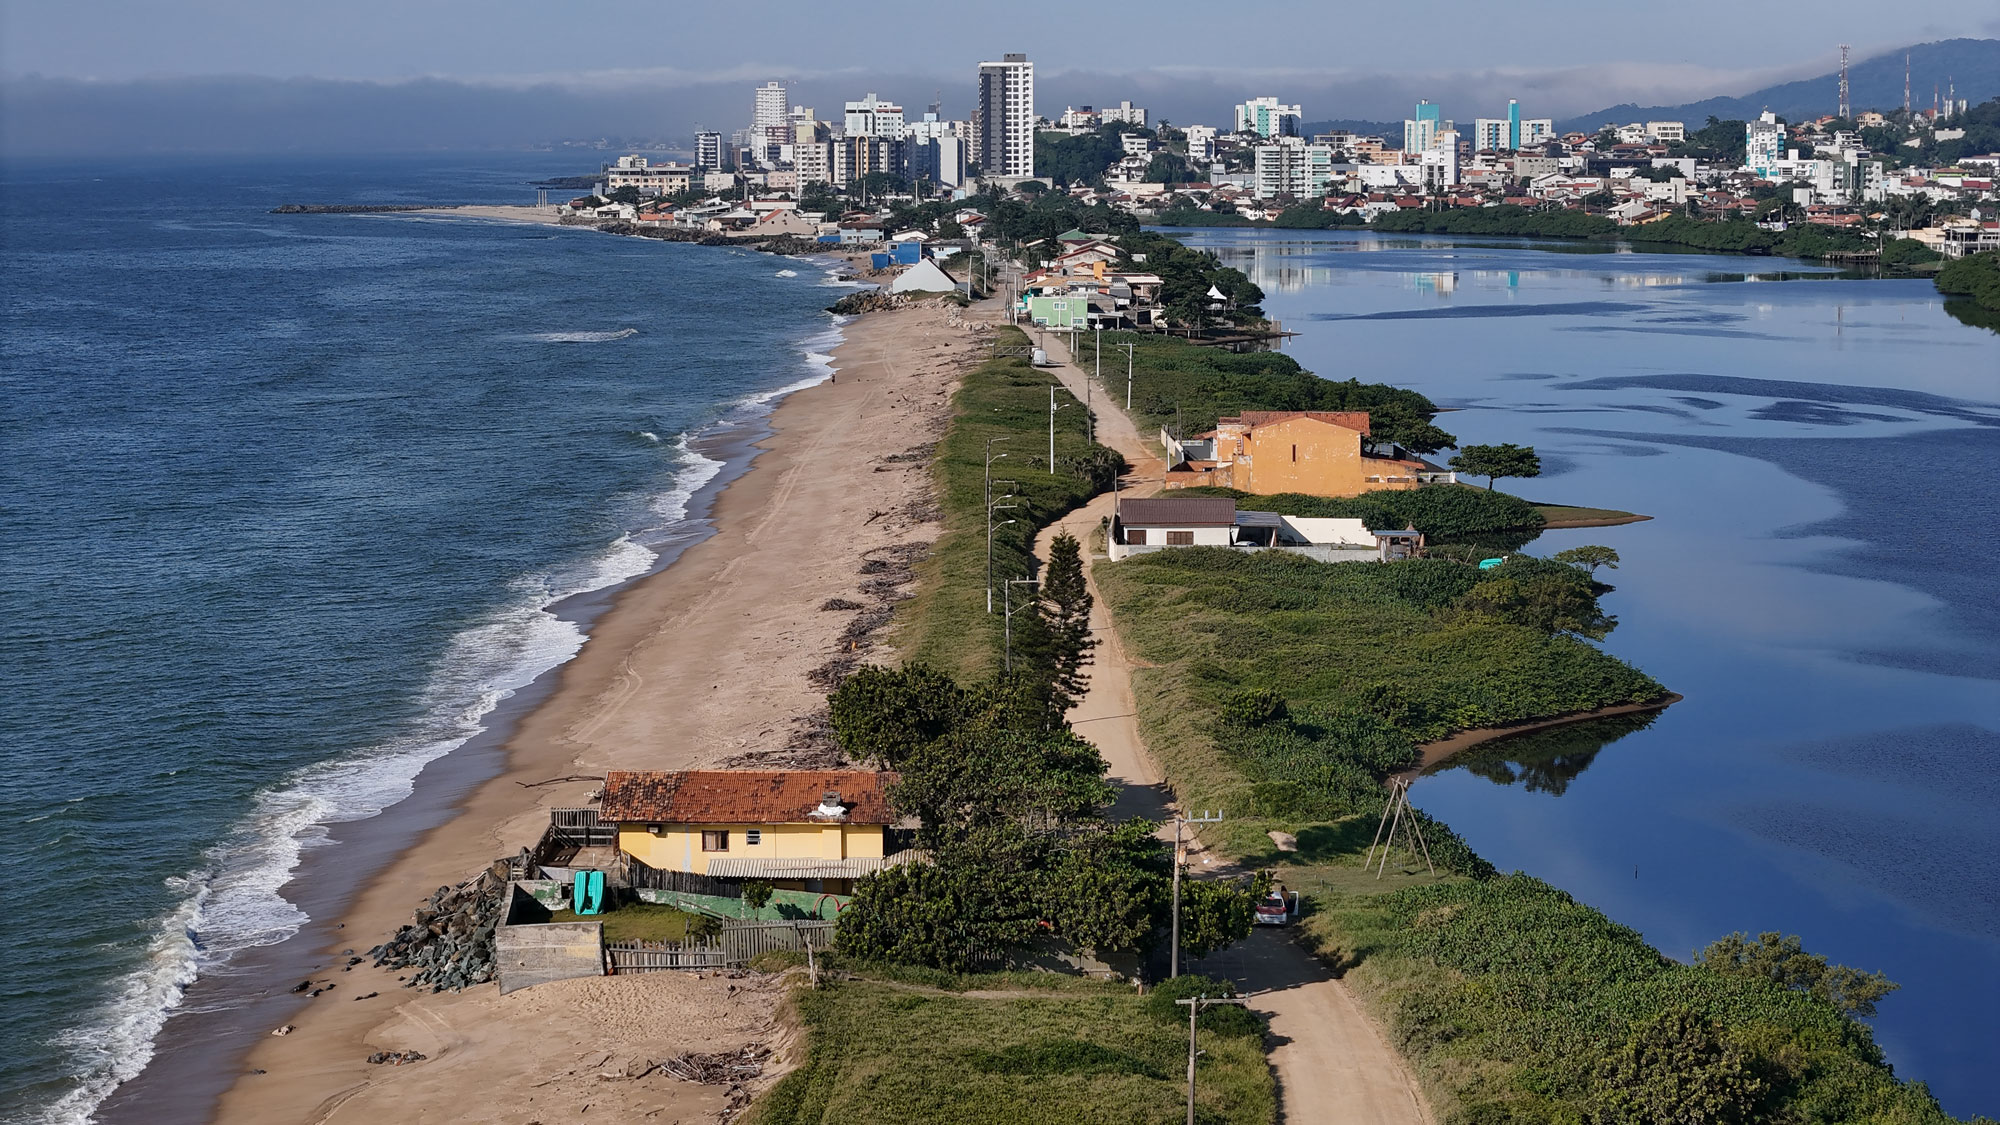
1366,61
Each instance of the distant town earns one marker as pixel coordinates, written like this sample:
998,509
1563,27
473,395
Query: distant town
1924,175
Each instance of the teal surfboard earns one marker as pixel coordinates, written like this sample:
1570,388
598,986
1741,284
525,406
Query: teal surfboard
586,894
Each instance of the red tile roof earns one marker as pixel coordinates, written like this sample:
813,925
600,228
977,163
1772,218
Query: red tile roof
744,796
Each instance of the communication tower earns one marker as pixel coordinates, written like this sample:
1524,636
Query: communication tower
1846,111
1906,82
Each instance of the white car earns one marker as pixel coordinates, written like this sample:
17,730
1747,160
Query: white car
1277,908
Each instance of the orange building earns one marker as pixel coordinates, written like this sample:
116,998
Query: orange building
1316,452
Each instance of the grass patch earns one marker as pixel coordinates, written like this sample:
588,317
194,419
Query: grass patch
1507,995
1369,660
880,1053
638,921
946,623
1566,515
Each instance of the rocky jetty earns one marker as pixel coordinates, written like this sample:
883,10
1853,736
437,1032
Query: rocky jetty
450,944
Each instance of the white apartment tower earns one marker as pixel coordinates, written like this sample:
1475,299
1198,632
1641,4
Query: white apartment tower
767,121
1003,133
873,117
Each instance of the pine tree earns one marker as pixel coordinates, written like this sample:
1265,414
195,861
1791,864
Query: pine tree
1066,605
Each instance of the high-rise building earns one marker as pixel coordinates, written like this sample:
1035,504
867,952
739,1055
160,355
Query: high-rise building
939,159
1440,161
767,122
1200,144
1290,166
1764,144
708,151
1420,133
1003,134
1126,112
1267,118
873,117
1513,124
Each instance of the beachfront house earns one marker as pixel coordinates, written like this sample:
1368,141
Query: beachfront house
1316,452
815,830
1165,522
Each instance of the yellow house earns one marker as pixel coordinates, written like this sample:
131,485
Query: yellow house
1319,453
785,826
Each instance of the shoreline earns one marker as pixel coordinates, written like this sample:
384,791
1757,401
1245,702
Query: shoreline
463,811
1443,750
595,716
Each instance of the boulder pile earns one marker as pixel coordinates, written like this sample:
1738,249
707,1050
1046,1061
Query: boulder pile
450,944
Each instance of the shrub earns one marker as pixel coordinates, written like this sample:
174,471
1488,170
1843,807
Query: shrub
1222,1019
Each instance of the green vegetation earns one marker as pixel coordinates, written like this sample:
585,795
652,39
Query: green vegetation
1518,1004
1781,961
1186,278
1496,461
1285,690
1083,157
1502,220
1441,511
1185,387
1975,276
1566,515
881,1053
642,921
1008,801
1005,401
1735,234
1907,252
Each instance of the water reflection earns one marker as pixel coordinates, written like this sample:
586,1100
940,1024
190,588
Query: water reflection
1546,761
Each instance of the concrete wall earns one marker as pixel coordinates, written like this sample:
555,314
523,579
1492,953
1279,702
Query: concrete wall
528,951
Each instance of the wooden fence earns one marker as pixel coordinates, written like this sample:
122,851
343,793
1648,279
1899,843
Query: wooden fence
660,956
739,943
646,877
745,941
569,831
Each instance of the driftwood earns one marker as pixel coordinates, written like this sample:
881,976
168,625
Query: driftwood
721,1069
560,780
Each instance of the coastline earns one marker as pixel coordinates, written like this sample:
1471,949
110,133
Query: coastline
1437,753
790,530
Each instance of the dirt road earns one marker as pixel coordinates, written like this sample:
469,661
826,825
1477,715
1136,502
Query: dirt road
1334,1067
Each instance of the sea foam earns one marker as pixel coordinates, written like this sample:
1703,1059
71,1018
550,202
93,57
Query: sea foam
233,901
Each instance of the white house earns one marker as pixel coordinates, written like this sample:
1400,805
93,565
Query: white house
1175,521
1142,526
924,277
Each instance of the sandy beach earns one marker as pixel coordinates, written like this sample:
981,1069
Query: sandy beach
703,663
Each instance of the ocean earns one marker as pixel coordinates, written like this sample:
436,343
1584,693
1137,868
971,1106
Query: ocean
1820,457
293,503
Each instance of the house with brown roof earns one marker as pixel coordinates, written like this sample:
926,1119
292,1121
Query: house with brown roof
1317,452
806,829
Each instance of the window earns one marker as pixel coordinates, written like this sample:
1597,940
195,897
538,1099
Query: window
752,837
1135,536
1180,538
715,841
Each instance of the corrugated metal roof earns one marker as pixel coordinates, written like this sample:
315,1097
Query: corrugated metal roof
1179,511
800,868
1259,519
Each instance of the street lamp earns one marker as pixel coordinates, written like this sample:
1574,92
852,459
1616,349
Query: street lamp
1128,346
1052,427
1007,628
991,527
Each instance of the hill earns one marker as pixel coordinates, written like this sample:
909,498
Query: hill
1971,65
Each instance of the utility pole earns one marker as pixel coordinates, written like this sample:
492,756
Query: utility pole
1194,1007
1097,334
1007,627
1846,111
1174,969
1128,346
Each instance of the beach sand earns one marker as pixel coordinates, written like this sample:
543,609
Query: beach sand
700,664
